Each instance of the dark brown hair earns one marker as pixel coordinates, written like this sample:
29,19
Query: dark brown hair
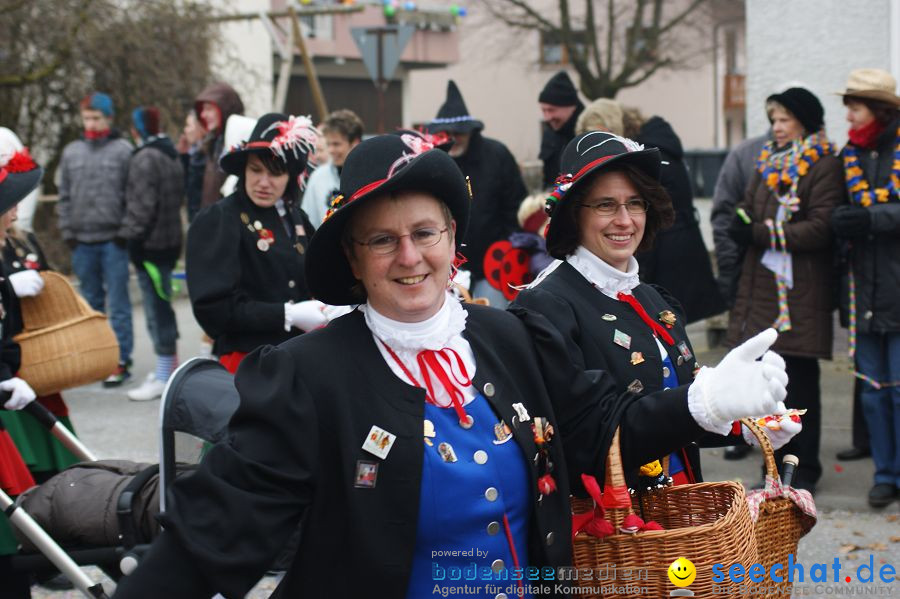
884,112
276,166
566,235
344,122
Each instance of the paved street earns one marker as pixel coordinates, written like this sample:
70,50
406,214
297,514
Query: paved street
117,428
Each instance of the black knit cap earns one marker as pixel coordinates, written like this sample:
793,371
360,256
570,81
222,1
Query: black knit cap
559,91
453,116
804,105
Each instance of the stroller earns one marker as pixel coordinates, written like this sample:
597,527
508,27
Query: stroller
195,409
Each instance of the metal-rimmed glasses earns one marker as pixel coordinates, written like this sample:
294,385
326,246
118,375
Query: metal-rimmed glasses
610,208
385,244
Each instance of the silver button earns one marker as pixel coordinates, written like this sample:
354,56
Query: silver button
493,528
467,422
501,596
489,389
868,315
550,538
666,371
292,284
497,565
480,456
680,360
491,494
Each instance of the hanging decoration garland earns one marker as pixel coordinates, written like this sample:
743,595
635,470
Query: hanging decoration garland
783,172
858,186
862,195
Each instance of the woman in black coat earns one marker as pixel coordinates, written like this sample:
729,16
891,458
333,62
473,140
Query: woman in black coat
608,204
407,430
246,253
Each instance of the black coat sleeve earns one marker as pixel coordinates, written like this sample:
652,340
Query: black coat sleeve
228,520
213,267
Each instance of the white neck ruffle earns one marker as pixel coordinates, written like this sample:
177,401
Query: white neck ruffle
609,280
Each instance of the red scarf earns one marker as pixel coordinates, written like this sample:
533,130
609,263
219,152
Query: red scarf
867,136
96,134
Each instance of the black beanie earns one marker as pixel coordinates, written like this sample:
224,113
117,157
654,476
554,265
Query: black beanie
559,91
804,105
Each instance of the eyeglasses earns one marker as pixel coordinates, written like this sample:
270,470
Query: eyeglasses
609,208
383,245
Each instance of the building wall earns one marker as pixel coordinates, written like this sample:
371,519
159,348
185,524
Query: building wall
817,43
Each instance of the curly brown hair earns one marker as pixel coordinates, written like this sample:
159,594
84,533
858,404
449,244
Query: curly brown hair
660,215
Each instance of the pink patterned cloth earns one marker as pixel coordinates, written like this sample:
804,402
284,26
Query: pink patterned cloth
774,490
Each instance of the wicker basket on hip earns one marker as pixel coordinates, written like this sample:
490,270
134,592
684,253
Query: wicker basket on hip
783,516
707,523
64,342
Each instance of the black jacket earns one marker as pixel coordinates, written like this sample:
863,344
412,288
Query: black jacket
299,458
10,324
679,260
237,290
497,191
876,257
576,310
554,142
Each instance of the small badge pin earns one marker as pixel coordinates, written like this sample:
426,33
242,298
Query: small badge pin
447,453
685,350
667,317
429,429
608,317
366,474
379,442
262,245
636,358
521,412
502,433
244,218
636,386
299,230
622,339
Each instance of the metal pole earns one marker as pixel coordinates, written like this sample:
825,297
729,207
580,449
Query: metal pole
47,546
58,430
311,75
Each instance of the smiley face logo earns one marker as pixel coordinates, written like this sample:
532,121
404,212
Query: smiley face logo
682,572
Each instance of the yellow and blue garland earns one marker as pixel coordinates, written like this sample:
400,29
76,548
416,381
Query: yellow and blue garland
858,186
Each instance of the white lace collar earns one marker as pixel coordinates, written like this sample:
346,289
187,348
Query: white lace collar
610,281
433,333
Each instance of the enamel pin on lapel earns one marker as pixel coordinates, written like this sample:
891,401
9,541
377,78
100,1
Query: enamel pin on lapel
521,412
609,317
366,474
429,433
379,442
667,317
685,350
636,358
622,339
636,386
502,433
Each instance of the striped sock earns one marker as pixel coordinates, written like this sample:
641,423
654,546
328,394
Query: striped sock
164,367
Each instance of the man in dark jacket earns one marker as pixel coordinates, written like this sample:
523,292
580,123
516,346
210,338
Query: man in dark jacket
496,182
153,228
91,206
560,108
213,107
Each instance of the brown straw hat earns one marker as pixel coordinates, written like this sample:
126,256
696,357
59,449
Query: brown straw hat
874,84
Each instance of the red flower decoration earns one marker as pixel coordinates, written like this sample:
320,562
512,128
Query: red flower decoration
266,235
21,162
546,484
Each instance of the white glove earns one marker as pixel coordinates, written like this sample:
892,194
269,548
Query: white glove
305,316
778,437
22,394
740,386
26,283
332,312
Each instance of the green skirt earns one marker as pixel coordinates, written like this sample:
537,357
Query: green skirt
40,450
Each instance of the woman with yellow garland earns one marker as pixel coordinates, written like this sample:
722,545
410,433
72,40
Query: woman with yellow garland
785,281
868,225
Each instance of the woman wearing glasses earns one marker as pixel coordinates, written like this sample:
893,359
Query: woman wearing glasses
424,443
607,205
245,253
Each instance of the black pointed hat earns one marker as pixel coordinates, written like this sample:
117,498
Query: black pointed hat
454,117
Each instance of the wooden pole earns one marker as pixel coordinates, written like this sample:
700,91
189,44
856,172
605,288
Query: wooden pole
311,74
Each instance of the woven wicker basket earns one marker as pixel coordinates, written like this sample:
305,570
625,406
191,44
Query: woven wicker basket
707,523
64,343
781,523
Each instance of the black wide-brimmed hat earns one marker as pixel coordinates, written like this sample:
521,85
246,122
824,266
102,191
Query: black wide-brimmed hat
591,152
18,177
453,116
290,138
377,166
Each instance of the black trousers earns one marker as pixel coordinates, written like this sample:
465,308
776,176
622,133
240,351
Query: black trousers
803,392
